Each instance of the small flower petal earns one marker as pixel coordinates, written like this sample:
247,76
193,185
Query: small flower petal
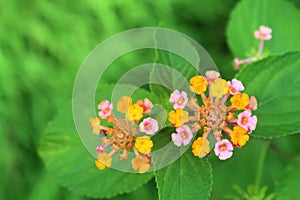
183,136
198,84
223,149
239,136
212,75
95,125
105,159
124,103
246,121
105,108
237,64
178,117
252,103
179,99
141,164
235,86
135,112
143,144
201,147
149,126
219,88
240,101
264,33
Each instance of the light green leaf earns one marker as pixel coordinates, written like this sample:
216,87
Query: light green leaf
187,178
275,82
68,160
282,16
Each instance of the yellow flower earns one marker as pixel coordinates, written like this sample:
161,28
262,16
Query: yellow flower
95,125
219,88
135,112
198,84
201,147
239,136
240,101
104,160
124,103
178,117
143,144
141,164
99,165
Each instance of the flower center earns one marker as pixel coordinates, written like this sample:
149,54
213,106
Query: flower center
183,135
233,89
222,147
147,126
106,110
180,100
244,120
121,138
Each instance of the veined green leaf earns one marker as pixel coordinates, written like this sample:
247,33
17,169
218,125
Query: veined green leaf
69,161
187,178
275,82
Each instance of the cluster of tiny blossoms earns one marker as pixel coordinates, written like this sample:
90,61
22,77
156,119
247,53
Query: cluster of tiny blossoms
263,34
225,114
132,133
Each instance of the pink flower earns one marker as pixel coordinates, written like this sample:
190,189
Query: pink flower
264,33
223,149
149,126
105,109
212,75
183,136
179,99
235,86
146,105
252,104
237,64
100,149
246,121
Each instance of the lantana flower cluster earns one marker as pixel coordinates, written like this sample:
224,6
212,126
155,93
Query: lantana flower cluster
264,33
224,114
131,133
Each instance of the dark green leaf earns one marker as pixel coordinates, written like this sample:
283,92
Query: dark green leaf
288,186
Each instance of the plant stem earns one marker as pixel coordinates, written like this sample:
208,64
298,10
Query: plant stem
260,48
261,163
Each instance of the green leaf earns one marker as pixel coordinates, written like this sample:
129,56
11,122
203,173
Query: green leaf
275,82
147,191
282,16
162,138
183,60
288,186
187,178
69,161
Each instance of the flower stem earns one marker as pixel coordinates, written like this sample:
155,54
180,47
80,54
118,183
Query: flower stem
261,163
261,47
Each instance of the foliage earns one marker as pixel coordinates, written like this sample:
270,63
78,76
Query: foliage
43,43
274,81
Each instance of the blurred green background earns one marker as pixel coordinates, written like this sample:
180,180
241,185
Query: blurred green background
43,44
